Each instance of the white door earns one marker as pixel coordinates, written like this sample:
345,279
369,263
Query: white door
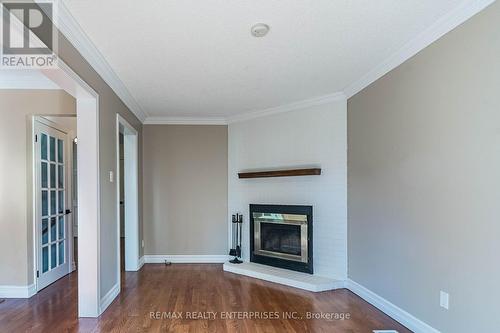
51,196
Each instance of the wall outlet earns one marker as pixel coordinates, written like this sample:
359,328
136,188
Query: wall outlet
444,299
142,243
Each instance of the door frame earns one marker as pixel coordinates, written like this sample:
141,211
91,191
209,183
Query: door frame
131,194
69,190
90,303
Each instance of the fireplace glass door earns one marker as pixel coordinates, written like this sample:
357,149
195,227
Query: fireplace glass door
281,236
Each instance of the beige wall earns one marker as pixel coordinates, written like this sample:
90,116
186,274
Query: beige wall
424,180
16,242
185,189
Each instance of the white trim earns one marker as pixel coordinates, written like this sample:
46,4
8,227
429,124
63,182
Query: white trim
109,298
338,96
89,204
185,259
118,215
17,291
185,121
398,314
142,261
441,27
70,28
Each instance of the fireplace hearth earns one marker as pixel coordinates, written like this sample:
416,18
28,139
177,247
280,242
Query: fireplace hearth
281,236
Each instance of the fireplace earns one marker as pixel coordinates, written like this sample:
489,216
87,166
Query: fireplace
281,236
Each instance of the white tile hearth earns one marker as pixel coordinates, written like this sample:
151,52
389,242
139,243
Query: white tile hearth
284,276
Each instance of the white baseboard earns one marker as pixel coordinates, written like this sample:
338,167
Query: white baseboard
137,267
17,291
398,314
109,298
185,259
141,262
32,290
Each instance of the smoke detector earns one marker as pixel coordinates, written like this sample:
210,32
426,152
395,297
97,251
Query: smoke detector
259,30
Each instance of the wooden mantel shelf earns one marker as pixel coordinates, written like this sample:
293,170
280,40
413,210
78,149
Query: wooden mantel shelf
281,173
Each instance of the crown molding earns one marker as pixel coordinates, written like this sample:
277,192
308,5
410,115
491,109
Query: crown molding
339,96
441,27
335,97
70,28
185,121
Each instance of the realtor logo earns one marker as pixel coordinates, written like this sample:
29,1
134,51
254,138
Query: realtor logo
28,37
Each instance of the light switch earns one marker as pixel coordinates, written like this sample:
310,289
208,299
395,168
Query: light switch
444,300
111,176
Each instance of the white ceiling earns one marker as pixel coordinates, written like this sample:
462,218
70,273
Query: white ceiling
186,58
66,122
25,79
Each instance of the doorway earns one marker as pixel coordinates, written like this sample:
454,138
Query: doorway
48,247
87,110
127,194
90,301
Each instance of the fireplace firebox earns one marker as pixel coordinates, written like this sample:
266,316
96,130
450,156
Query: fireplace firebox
281,236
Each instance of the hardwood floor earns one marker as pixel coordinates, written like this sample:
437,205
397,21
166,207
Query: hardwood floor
190,290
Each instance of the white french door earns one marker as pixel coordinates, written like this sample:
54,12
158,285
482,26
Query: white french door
51,197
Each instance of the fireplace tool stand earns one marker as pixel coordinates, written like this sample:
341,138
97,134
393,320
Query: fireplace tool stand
236,245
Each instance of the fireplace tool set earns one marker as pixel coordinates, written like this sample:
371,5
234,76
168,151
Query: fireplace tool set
235,251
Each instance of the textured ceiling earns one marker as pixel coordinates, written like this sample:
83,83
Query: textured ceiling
190,58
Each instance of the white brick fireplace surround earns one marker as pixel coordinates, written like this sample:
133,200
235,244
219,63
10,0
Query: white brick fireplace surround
312,136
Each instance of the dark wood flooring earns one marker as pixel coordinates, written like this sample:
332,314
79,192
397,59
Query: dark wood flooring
188,289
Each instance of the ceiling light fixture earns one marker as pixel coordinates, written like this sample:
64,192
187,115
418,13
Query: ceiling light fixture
259,30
